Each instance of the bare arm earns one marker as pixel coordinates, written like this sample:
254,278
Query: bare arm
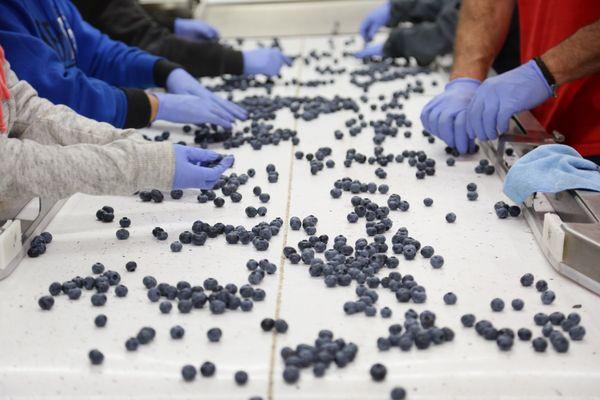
482,29
576,56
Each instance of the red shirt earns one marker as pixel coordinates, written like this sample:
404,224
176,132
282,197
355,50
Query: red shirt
576,111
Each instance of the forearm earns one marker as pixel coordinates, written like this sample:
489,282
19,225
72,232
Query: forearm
122,167
577,56
482,29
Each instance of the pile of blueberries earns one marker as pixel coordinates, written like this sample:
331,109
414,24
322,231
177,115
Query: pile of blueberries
316,160
38,244
219,298
355,186
385,71
419,330
503,210
101,283
320,356
504,337
484,167
376,216
259,235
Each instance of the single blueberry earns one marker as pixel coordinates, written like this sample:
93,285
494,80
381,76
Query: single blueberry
96,357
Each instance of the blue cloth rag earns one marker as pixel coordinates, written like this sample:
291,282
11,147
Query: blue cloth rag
549,169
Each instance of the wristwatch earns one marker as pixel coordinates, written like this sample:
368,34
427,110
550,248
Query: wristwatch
547,75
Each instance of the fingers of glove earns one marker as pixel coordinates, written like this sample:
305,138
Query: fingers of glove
361,53
434,117
211,116
231,108
503,120
462,143
372,31
490,116
364,28
212,32
429,107
196,155
446,128
285,59
474,121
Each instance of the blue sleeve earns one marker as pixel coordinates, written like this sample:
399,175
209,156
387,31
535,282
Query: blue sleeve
38,64
103,58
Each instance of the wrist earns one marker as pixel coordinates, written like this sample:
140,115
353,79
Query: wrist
544,77
463,81
153,100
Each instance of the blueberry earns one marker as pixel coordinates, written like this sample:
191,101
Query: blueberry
153,294
98,299
497,304
214,334
146,335
96,357
517,304
149,281
74,293
560,343
450,161
541,285
98,268
472,187
131,266
501,213
514,211
177,332
378,372
472,196
291,374
185,306
132,344
121,290
162,235
539,344
547,329
176,246
527,280
540,319
450,218
207,369
468,320
577,332
548,297
188,372
165,307
450,298
281,326
46,237
46,302
436,261
427,201
176,194
122,234
385,312
556,318
524,334
574,317
504,342
335,193
55,288
241,377
398,393
125,222
219,202
427,251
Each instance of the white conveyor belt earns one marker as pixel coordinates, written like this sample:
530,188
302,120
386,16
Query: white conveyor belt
44,354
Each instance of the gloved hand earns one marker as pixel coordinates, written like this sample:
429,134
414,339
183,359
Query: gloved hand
549,169
499,97
265,61
370,51
194,29
188,109
194,167
374,21
180,82
445,115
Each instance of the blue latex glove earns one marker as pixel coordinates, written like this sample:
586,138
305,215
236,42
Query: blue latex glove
499,97
370,51
194,29
265,61
188,109
445,115
374,21
549,169
181,82
194,167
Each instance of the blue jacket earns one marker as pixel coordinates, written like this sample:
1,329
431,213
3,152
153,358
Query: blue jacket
69,62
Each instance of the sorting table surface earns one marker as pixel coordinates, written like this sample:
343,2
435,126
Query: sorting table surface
44,354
